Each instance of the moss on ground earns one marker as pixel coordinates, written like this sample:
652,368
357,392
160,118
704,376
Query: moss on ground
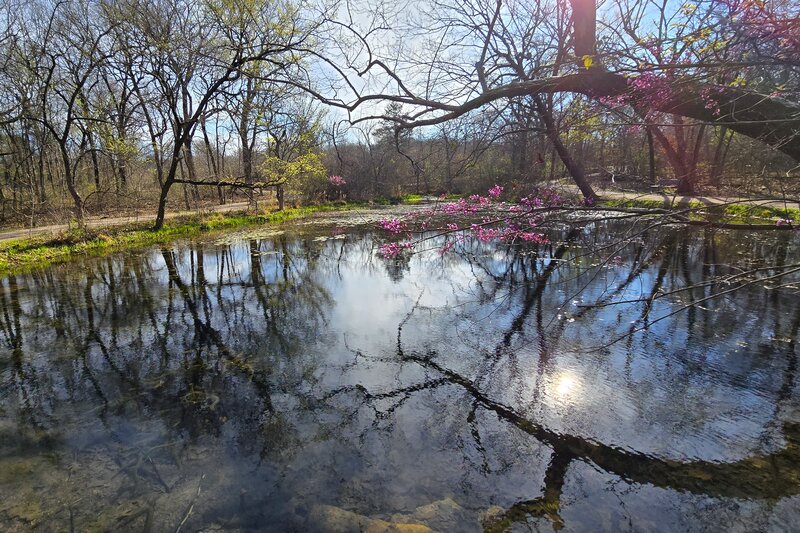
738,213
749,211
634,203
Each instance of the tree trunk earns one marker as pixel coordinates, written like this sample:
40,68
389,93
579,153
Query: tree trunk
168,182
69,179
774,121
574,168
719,160
279,193
122,175
686,183
212,160
584,23
95,163
651,152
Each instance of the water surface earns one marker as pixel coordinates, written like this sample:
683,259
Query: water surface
296,381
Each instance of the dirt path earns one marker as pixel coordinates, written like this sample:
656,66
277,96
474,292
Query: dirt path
102,222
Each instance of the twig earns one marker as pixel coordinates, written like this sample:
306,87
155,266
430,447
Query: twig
191,507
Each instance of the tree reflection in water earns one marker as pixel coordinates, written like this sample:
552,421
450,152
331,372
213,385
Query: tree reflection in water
250,385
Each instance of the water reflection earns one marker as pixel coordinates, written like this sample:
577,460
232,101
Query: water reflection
298,382
566,388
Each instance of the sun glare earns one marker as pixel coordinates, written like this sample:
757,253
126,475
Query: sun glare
565,387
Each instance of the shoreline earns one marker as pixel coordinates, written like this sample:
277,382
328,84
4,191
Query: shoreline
22,253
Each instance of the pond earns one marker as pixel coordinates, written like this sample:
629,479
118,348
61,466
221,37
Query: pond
294,380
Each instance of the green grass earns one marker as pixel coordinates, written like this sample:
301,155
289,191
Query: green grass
751,212
19,255
732,213
412,199
388,200
633,203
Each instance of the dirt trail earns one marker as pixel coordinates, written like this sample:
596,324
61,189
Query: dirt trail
102,222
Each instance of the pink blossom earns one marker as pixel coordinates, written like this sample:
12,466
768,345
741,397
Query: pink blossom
651,88
538,238
485,234
447,247
393,249
462,207
392,225
543,198
531,201
613,101
495,191
337,180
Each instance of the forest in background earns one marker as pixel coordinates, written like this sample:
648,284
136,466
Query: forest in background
113,105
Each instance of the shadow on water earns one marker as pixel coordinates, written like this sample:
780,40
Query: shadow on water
299,382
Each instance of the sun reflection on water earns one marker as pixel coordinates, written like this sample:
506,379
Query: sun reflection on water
565,387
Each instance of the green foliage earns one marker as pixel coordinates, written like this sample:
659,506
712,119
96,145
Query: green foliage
304,175
388,200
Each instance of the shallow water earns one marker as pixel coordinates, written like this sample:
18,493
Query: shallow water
296,381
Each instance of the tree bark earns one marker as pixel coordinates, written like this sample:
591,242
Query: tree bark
774,121
574,168
69,179
168,182
651,152
279,193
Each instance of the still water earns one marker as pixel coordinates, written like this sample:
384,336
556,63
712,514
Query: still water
297,381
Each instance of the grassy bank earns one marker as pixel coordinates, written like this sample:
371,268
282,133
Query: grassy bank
23,254
737,213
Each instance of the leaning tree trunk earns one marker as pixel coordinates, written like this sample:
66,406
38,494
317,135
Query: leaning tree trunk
574,168
167,185
772,120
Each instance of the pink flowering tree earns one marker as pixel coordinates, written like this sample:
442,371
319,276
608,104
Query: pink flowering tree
337,183
482,218
700,62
